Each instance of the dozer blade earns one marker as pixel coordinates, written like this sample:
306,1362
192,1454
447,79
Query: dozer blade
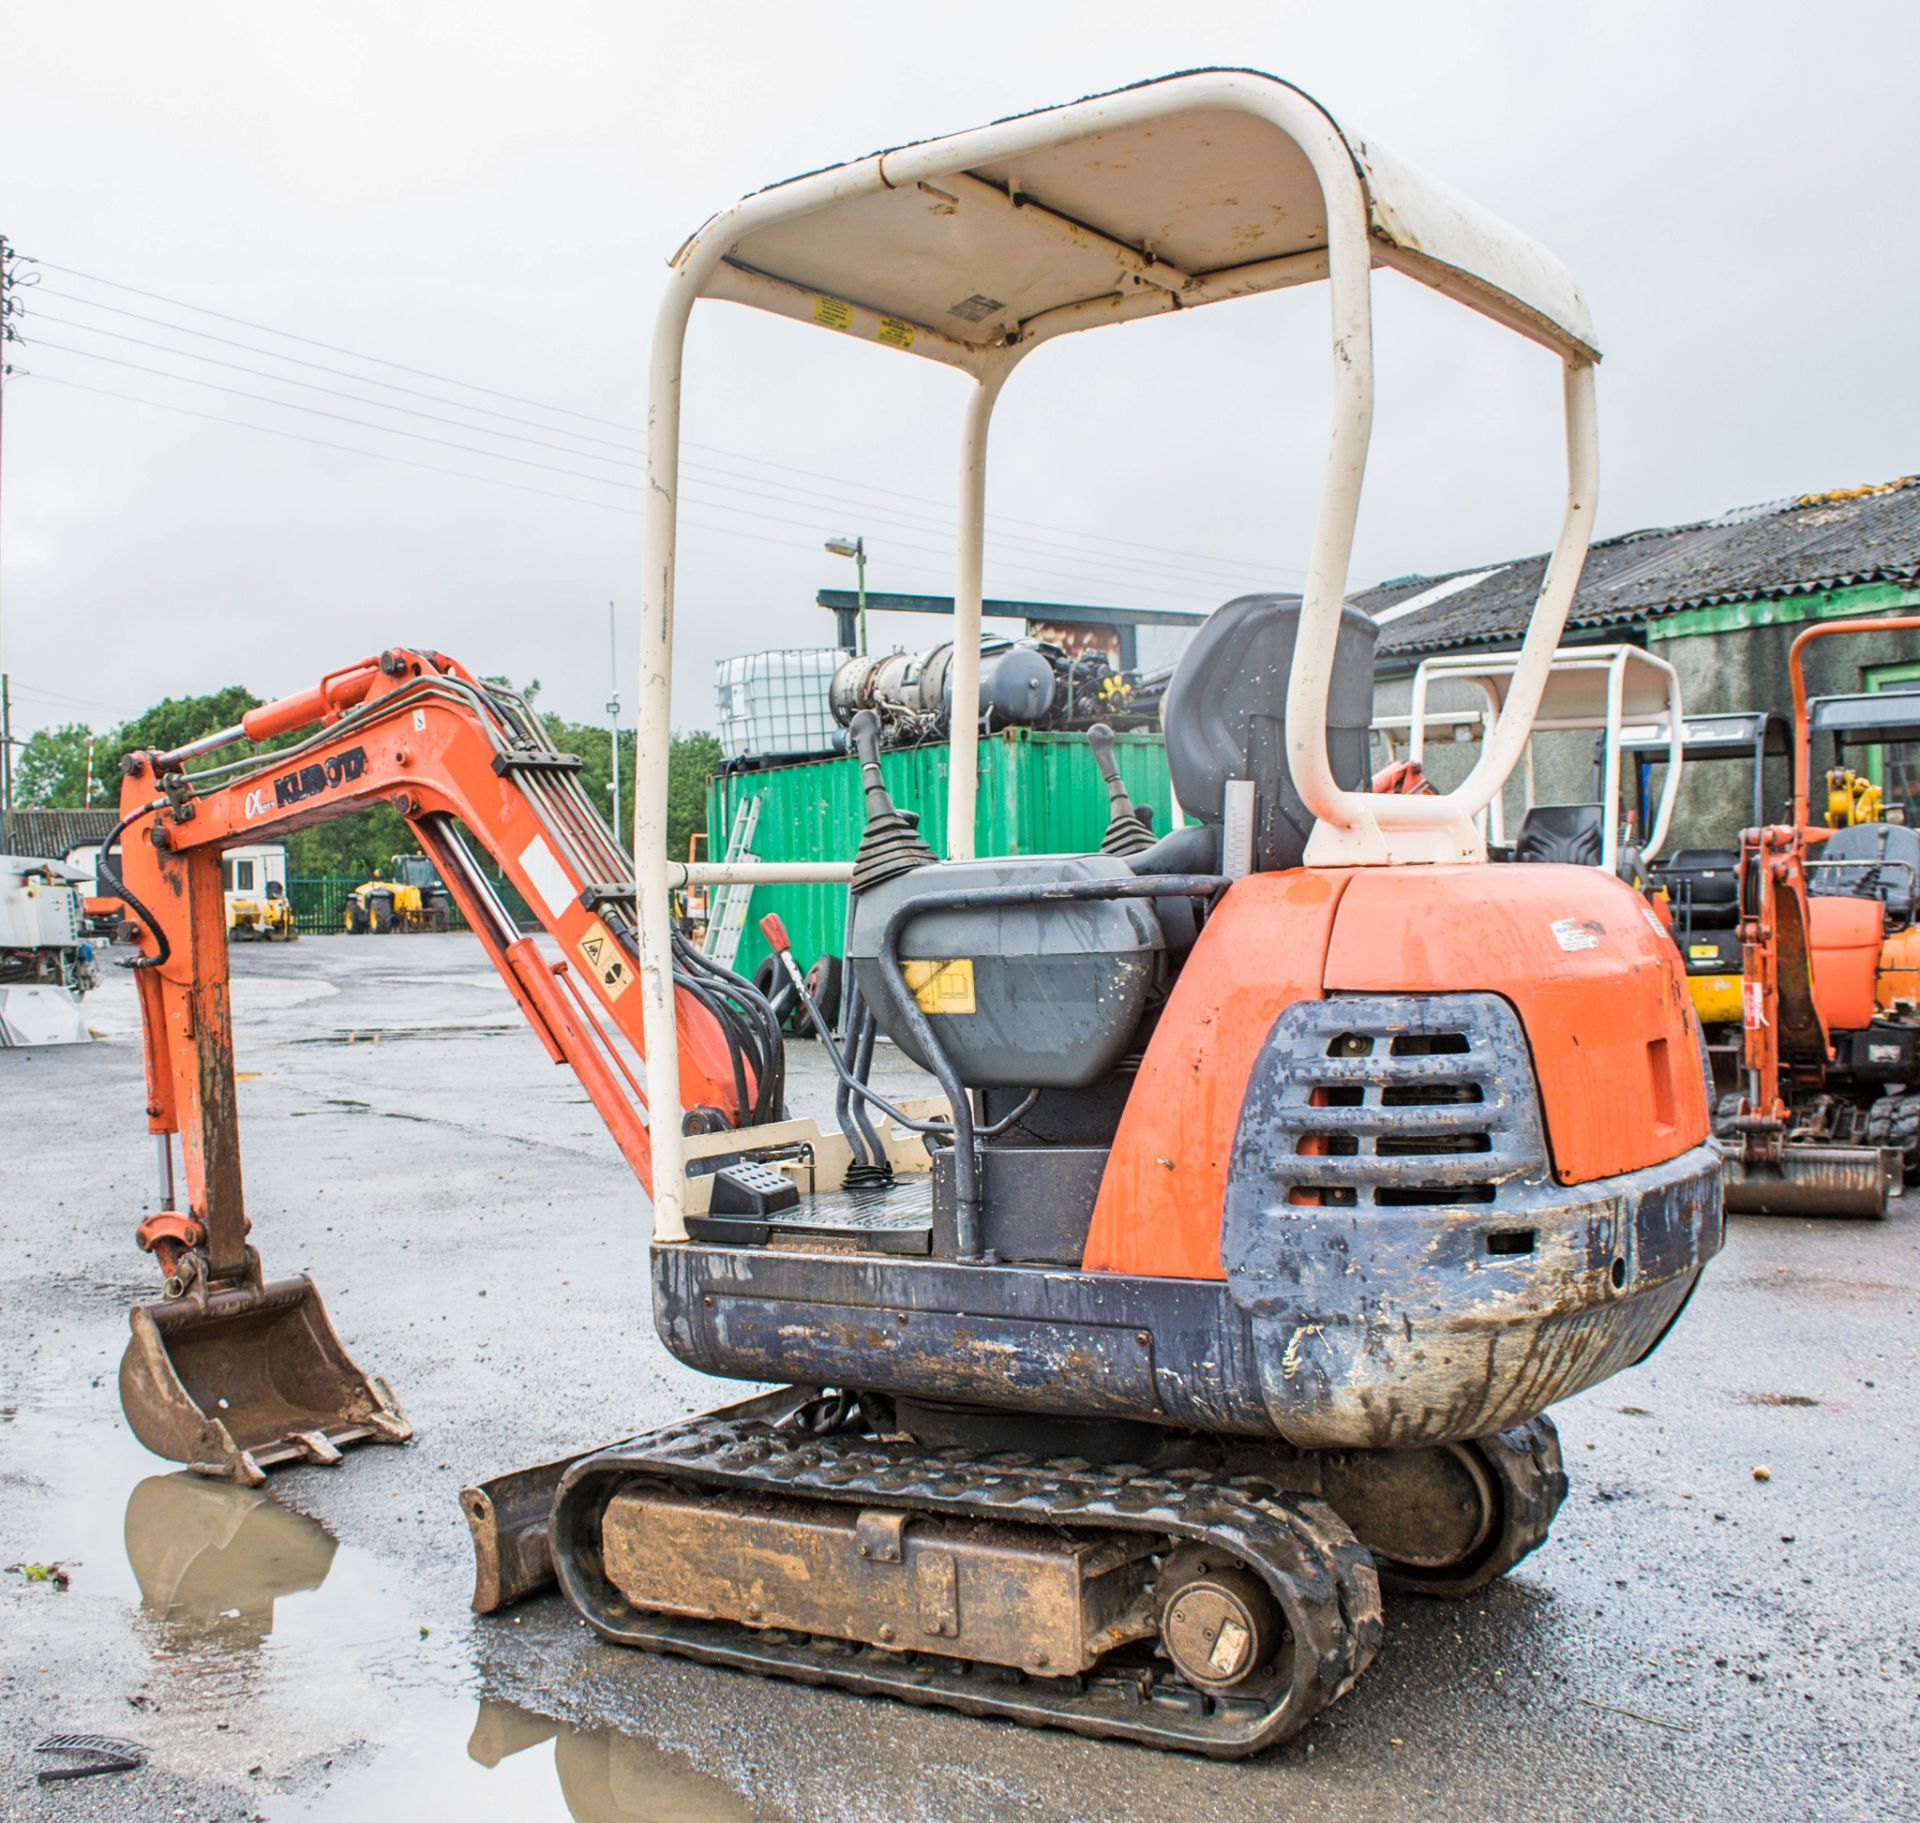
245,1378
1814,1180
512,1555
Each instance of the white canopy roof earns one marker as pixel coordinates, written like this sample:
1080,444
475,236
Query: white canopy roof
1180,191
1579,689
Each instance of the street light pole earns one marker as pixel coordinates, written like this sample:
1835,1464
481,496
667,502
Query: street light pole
856,548
613,715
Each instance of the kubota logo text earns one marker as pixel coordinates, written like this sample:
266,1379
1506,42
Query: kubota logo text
308,782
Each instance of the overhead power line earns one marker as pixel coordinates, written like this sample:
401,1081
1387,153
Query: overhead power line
61,696
1157,570
1209,559
1182,564
334,348
332,392
387,430
349,449
339,373
781,492
435,468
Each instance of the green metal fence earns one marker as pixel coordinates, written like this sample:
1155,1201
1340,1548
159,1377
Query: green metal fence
1040,793
320,903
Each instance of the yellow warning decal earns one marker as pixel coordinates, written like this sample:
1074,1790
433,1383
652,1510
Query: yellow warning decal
1703,952
895,333
605,959
835,313
940,987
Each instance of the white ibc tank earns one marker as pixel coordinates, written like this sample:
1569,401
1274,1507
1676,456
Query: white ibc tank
776,704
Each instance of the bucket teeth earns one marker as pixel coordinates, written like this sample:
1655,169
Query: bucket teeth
245,1378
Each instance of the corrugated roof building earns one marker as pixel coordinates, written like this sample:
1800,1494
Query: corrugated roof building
52,835
1720,600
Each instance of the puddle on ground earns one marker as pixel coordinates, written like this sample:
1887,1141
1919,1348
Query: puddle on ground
499,1763
400,1034
222,1569
263,1642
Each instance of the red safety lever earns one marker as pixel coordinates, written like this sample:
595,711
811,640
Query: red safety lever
775,933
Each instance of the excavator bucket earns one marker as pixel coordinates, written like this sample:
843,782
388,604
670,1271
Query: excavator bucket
1814,1180
241,1379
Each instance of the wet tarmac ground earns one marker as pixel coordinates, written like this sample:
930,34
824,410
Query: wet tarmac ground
1692,1642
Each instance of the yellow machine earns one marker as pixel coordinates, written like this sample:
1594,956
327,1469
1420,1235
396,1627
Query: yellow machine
1701,885
1853,798
255,889
412,899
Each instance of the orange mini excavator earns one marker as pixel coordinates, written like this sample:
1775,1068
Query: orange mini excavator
1826,1120
1283,1170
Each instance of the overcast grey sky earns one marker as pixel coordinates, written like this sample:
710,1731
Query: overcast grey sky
490,193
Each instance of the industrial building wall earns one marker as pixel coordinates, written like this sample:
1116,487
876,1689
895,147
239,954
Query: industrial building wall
1735,657
1040,793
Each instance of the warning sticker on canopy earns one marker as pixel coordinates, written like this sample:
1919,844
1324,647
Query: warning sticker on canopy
835,313
607,961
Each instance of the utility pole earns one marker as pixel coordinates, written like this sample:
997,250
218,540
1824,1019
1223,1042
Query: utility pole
613,716
6,756
8,336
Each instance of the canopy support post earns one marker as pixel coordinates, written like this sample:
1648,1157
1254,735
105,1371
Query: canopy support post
963,775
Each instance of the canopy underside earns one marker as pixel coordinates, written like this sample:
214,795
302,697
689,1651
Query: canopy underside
1176,193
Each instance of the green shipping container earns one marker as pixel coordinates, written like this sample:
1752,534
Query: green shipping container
1040,794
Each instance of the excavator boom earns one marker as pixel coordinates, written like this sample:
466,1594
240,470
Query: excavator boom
228,1372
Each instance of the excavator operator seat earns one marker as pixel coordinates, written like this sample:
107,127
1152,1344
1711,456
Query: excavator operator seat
1225,717
1883,863
1704,885
1051,995
1574,833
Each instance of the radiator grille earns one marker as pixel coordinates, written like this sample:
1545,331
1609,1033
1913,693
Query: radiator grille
1394,1101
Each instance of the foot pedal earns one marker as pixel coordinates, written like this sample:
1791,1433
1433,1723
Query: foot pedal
753,1204
745,1195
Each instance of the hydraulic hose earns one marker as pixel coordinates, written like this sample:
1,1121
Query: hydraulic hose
126,898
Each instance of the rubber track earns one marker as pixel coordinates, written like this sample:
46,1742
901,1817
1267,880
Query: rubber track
1323,1579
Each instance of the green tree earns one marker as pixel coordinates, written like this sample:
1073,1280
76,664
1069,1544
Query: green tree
176,720
360,845
691,759
694,759
52,770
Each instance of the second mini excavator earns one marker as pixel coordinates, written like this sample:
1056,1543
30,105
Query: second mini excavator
1285,1170
1826,1117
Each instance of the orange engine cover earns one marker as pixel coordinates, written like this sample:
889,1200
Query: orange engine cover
1597,984
1844,935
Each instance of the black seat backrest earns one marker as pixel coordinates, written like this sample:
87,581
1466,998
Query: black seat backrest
1704,883
1225,718
1561,832
1879,849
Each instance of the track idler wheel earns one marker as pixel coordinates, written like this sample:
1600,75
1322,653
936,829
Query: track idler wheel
1506,1489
